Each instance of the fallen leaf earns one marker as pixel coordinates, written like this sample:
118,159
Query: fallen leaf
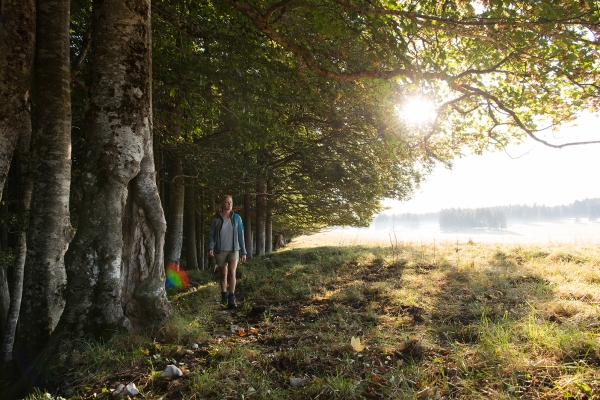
356,345
241,332
253,331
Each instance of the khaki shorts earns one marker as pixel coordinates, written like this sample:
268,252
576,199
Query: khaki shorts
225,256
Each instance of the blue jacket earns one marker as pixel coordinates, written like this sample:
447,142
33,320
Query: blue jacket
214,234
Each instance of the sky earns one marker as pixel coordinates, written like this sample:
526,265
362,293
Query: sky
535,174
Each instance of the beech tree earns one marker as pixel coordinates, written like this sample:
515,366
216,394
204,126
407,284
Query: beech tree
50,229
116,279
17,38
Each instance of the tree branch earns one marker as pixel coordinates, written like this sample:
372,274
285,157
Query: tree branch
530,132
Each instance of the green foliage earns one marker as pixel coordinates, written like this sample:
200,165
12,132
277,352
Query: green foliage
307,95
240,110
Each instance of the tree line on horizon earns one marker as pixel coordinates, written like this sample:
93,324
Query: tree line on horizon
122,123
492,217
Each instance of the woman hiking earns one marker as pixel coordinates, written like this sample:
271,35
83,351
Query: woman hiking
226,244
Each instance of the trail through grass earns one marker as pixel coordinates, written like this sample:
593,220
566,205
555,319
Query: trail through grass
442,321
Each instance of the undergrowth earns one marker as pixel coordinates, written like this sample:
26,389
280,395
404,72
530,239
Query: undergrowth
445,321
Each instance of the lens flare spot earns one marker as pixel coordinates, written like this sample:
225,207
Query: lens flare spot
176,277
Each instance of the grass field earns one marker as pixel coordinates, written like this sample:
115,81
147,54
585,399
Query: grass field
438,320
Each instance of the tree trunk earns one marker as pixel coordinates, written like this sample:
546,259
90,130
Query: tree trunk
175,211
200,231
248,238
50,228
261,216
191,257
269,218
17,41
3,227
4,297
26,183
116,278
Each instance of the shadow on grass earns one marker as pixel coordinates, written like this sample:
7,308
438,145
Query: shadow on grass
443,322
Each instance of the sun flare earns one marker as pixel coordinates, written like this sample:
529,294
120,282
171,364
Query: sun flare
417,111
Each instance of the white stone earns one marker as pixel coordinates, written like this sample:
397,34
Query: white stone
298,382
171,372
126,391
195,346
118,390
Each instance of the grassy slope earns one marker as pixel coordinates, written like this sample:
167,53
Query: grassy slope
461,321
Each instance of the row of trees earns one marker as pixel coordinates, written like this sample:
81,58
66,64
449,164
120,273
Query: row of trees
587,208
121,123
472,218
492,217
405,220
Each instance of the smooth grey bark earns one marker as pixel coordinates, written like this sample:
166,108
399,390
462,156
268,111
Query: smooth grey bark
174,241
191,256
248,237
26,183
261,217
269,218
50,228
17,47
116,263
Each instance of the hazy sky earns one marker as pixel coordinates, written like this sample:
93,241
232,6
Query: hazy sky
541,175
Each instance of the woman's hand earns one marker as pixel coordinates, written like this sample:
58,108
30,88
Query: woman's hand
243,259
211,253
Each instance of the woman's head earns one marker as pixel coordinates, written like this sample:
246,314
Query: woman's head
226,203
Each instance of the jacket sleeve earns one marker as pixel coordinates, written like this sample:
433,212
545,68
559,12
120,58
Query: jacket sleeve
241,237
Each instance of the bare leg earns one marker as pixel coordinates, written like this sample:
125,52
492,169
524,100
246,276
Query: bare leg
232,268
223,271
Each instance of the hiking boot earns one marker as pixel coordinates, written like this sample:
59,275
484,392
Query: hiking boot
224,298
231,303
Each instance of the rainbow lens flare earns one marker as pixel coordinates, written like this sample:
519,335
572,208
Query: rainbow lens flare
176,277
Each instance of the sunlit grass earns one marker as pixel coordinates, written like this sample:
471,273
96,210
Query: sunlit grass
449,320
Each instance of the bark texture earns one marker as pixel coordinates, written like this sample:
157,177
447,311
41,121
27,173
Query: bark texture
261,217
50,228
191,257
115,263
200,229
17,47
16,292
176,211
269,218
4,299
248,237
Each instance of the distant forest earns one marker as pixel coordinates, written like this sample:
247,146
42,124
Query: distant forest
492,217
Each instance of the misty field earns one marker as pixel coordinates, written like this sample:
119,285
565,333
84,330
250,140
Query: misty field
564,232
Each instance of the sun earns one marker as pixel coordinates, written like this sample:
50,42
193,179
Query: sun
417,111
